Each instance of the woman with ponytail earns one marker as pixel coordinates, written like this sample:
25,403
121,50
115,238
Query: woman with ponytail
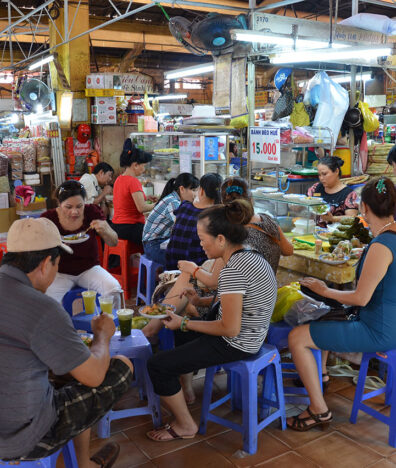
247,291
160,221
184,243
129,199
340,197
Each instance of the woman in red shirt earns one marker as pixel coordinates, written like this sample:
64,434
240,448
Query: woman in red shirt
129,199
82,268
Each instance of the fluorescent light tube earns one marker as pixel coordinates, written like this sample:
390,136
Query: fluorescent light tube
265,38
41,62
190,71
330,55
166,97
347,79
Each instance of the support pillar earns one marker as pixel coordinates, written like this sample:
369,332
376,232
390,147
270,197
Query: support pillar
74,56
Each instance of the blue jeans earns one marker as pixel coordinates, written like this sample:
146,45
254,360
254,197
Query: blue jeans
153,251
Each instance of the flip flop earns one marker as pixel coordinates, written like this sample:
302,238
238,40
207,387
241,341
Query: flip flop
342,370
171,432
107,455
372,382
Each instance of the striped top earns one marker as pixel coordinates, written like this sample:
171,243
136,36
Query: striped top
160,221
184,243
249,274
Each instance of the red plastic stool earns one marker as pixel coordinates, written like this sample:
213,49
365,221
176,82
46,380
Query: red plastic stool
124,274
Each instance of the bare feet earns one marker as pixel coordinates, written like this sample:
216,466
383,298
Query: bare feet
173,431
186,381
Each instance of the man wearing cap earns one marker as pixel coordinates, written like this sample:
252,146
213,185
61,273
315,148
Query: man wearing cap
37,335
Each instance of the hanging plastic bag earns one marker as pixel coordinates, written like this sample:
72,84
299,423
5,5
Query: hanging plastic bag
333,102
305,310
370,121
299,117
287,296
240,122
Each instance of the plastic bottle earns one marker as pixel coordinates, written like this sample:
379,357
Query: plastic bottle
388,134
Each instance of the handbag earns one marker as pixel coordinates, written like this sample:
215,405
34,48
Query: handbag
283,106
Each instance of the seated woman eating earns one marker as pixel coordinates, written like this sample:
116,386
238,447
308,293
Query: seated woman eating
184,242
340,197
375,328
247,290
73,216
160,221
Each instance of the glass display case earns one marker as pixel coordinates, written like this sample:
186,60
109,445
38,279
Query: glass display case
295,214
176,152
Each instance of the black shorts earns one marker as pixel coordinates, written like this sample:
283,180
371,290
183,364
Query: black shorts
78,407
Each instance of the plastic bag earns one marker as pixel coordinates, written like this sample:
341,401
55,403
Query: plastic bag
370,121
333,103
287,296
241,121
371,22
299,116
305,310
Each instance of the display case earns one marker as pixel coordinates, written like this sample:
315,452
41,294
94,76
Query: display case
176,152
295,214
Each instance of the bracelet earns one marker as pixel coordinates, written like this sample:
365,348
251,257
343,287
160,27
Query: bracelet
195,271
183,325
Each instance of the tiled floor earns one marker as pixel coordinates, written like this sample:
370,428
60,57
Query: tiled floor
341,445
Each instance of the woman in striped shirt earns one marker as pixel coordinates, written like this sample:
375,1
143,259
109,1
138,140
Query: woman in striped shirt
247,290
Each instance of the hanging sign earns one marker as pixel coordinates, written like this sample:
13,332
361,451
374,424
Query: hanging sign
265,144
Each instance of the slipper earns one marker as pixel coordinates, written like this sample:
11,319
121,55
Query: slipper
342,370
107,455
172,433
372,382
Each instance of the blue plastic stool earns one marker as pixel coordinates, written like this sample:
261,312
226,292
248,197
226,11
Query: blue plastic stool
81,321
247,372
388,358
137,348
278,336
166,339
69,456
146,280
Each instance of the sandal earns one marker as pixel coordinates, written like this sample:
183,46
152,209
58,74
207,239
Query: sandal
107,455
325,383
171,432
342,370
372,382
300,425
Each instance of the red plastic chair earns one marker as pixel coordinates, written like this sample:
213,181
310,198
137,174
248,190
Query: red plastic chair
124,274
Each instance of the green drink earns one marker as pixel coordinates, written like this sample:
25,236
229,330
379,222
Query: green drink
125,321
89,301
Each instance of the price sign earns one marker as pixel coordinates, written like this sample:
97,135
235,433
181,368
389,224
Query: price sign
265,144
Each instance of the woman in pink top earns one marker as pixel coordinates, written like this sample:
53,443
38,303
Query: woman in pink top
129,199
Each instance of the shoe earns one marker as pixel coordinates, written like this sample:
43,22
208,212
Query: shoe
299,424
171,432
107,455
325,383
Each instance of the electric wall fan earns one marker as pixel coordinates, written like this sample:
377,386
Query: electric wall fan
210,34
34,95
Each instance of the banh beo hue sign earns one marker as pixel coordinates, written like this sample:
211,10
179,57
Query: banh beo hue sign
265,144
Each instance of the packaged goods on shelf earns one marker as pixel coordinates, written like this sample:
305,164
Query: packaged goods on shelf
377,163
4,184
3,164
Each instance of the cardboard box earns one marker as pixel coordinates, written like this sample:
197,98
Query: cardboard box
38,205
104,81
7,217
104,104
104,118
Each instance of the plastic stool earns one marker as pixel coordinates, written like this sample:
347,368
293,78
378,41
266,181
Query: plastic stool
146,282
124,274
69,457
247,372
278,336
81,321
137,348
388,358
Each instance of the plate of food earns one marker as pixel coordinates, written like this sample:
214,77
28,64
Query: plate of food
75,238
157,311
87,338
322,234
320,209
333,259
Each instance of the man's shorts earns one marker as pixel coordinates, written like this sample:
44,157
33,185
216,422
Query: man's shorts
79,407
